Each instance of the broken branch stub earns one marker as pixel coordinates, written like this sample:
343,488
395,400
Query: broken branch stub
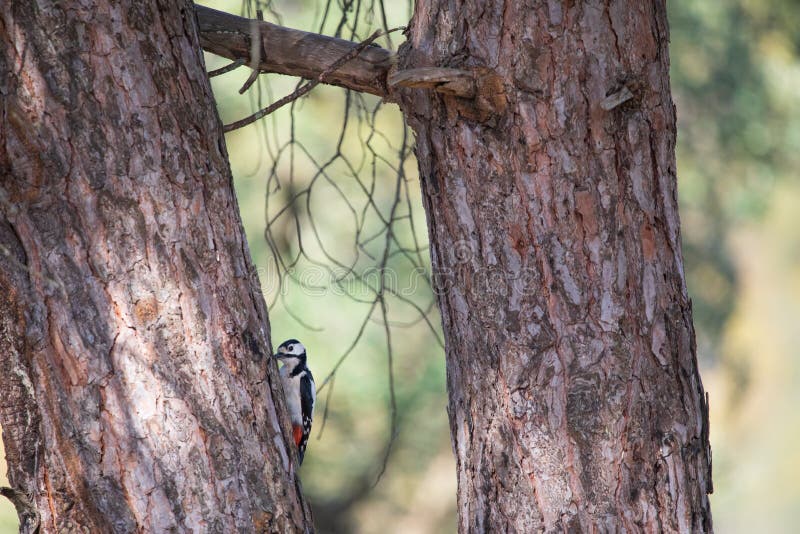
616,99
449,81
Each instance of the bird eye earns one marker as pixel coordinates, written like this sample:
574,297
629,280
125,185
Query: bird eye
290,348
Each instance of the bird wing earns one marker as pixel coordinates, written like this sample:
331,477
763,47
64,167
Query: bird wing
308,395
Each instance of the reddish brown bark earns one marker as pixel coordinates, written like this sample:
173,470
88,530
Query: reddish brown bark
137,394
575,399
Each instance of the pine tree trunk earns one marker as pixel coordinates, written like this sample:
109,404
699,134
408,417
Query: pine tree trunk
575,399
137,394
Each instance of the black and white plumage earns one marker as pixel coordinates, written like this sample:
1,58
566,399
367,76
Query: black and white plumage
300,390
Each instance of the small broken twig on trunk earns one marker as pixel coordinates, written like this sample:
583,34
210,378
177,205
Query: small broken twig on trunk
616,99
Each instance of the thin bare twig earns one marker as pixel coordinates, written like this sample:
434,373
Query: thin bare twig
327,407
388,332
377,199
226,69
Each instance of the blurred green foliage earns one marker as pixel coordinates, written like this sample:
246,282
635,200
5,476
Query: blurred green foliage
735,74
331,191
734,78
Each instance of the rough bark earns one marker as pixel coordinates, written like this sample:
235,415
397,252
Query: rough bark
575,399
134,342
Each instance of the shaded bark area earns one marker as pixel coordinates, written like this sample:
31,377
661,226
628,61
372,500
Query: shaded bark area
575,399
134,341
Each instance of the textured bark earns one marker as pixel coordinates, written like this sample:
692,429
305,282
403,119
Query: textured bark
575,399
134,343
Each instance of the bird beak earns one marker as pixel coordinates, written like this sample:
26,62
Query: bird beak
280,354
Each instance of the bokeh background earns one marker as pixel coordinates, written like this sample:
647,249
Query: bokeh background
331,209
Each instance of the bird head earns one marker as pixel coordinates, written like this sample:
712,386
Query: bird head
291,352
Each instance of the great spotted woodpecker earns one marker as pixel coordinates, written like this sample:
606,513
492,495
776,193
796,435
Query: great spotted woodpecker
300,390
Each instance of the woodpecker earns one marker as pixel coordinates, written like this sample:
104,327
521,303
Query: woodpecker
300,390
